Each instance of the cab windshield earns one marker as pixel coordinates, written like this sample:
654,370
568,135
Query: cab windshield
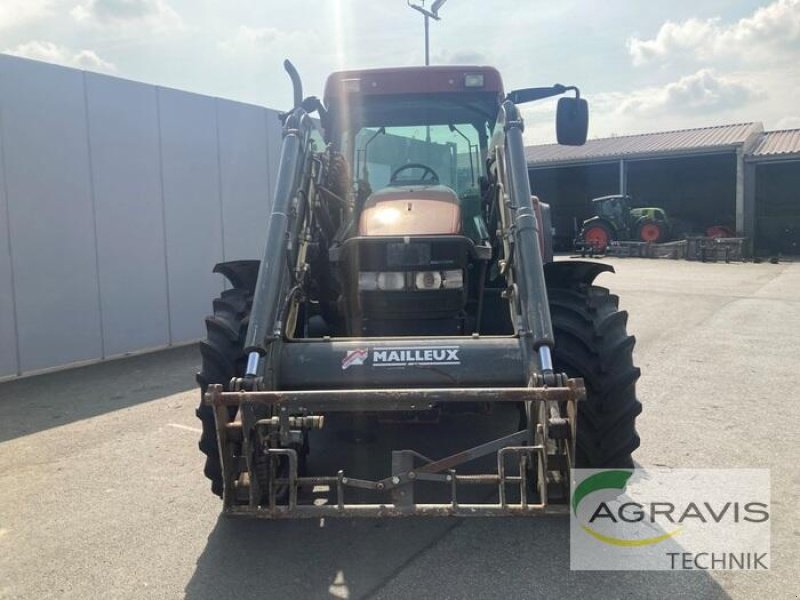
419,155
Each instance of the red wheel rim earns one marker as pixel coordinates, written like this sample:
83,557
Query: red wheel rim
650,232
719,231
596,237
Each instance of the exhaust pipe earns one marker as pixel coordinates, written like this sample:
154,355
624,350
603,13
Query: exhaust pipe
297,85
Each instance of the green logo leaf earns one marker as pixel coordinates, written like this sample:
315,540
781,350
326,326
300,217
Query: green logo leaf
599,481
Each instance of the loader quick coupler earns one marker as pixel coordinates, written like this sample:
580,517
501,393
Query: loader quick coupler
530,463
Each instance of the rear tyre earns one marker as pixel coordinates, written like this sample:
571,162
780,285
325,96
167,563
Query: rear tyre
222,359
598,236
337,174
337,181
591,342
651,231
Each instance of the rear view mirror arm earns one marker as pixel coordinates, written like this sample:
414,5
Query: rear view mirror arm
539,93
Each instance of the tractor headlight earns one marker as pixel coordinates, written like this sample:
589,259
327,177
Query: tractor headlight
473,80
367,280
370,281
391,281
453,279
428,280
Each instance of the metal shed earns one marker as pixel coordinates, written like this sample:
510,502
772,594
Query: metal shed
697,175
772,176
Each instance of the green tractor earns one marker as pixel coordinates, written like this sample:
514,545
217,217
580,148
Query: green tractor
615,220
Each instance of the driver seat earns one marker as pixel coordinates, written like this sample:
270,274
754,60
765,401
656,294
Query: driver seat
412,210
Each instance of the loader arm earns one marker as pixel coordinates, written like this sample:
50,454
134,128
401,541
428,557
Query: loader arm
521,233
289,206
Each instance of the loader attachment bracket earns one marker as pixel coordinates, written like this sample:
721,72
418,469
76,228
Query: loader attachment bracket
539,455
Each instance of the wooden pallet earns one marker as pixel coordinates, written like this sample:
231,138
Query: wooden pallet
694,248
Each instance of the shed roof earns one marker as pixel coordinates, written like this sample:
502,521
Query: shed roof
647,145
777,144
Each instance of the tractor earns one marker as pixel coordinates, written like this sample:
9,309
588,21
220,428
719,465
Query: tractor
407,276
616,220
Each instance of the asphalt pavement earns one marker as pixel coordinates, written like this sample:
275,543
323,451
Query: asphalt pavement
102,493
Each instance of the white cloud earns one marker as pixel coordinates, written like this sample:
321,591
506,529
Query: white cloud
155,15
14,13
768,29
250,40
703,91
690,36
53,53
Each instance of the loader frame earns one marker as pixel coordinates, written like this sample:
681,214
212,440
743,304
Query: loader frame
530,448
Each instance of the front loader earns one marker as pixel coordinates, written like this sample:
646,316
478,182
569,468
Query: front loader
407,278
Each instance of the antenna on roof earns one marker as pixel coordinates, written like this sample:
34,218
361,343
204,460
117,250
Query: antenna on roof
433,13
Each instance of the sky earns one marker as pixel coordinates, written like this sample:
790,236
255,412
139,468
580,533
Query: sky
642,65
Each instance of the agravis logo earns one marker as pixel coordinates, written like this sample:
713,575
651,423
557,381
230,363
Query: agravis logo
614,480
671,519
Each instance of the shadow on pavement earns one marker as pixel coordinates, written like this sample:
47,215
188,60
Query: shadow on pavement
413,558
41,402
416,558
300,559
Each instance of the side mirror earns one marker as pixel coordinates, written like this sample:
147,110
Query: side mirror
572,121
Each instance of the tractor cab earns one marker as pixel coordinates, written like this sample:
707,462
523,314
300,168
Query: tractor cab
414,251
613,208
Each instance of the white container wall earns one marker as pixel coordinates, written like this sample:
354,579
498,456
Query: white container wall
116,200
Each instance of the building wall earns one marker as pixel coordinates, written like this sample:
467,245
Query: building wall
569,191
778,208
696,191
116,200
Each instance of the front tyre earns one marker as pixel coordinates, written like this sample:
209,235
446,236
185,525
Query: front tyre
591,341
222,355
222,359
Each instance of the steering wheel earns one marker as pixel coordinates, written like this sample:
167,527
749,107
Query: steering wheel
428,176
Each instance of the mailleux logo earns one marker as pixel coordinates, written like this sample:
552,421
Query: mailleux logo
406,356
610,480
403,356
354,358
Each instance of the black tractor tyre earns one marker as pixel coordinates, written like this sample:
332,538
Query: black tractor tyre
591,341
337,174
337,181
223,358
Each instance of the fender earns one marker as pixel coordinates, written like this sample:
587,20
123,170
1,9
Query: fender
241,273
566,273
